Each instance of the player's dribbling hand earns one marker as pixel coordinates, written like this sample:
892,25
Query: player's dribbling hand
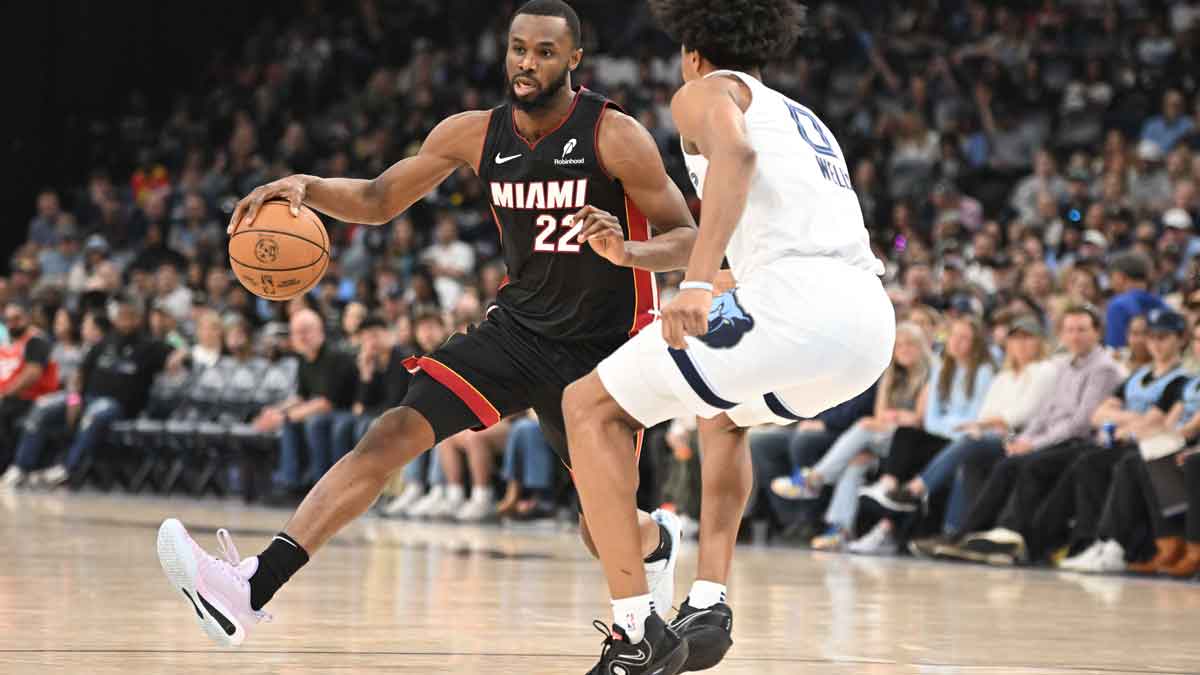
686,314
290,188
602,231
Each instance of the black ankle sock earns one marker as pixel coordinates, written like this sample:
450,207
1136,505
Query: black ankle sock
664,546
281,559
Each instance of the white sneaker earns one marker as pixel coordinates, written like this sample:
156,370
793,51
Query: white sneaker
12,478
691,527
660,575
409,496
1079,561
1108,560
218,590
477,511
51,478
448,506
422,507
879,541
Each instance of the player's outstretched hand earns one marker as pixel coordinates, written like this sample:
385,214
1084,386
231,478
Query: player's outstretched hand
290,188
602,231
686,314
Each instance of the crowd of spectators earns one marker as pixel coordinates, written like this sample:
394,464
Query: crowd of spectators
1028,172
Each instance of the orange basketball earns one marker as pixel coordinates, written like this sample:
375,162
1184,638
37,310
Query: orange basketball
280,256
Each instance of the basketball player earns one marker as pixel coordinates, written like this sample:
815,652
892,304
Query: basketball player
569,177
808,326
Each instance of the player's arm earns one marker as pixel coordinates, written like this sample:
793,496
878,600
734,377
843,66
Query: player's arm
707,113
631,156
455,141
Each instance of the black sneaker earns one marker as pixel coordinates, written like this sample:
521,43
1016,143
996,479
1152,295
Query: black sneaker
661,651
708,633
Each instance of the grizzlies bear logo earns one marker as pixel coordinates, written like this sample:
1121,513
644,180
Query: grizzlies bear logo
727,322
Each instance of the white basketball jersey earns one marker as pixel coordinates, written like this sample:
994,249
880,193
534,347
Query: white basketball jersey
801,203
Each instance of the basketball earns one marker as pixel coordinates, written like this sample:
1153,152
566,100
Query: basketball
280,256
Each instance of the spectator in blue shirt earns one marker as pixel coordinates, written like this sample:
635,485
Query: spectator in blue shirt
1130,273
1170,127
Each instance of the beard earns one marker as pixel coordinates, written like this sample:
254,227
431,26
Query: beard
16,332
542,98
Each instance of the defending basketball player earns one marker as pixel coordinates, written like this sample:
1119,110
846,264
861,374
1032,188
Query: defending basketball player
808,327
569,177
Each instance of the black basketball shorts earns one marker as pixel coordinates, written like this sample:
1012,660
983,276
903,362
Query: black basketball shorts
497,369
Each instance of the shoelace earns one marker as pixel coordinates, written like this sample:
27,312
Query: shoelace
230,553
608,637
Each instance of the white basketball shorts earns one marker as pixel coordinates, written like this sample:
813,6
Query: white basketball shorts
797,337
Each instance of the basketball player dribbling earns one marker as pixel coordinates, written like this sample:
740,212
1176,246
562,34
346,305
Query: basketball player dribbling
569,177
808,326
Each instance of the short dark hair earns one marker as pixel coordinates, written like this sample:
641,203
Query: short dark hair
1088,311
741,34
553,8
1132,264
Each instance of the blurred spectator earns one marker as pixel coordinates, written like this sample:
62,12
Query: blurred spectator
69,346
382,382
1072,511
113,382
1171,126
26,372
57,261
325,393
1130,274
43,228
172,294
95,272
898,404
531,470
450,260
951,403
1136,352
209,340
424,486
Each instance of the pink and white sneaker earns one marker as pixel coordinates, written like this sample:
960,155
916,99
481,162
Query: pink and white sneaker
218,590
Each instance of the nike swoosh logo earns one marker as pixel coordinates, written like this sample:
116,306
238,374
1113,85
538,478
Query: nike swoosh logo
683,623
641,657
501,160
226,624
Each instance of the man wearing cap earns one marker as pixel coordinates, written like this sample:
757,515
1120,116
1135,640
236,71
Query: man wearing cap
1150,185
1006,501
1129,279
1138,405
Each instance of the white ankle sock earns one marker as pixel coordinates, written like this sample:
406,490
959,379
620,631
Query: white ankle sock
631,614
482,494
455,493
705,594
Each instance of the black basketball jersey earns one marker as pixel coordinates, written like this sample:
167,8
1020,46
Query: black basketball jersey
556,286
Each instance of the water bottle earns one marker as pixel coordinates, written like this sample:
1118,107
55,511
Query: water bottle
1110,434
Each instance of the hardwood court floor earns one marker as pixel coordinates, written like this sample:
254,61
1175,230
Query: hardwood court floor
81,592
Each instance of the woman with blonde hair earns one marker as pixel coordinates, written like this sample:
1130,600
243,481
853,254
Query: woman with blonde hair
895,406
950,408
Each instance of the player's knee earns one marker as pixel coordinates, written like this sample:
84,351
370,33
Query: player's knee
581,401
401,429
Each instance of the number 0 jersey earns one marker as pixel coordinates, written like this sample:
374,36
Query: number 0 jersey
557,287
801,203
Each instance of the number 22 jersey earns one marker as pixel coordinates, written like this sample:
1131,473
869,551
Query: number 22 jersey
556,286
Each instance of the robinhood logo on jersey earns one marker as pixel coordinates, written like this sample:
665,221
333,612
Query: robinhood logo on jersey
570,145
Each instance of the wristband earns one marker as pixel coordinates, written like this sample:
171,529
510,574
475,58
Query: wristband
73,399
696,286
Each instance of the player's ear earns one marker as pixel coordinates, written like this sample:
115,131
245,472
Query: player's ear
576,57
